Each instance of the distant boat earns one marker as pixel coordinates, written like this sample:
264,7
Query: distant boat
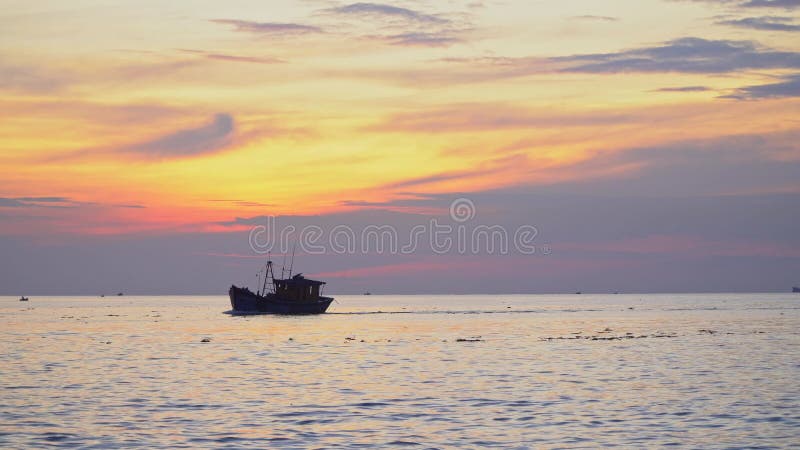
23,299
120,294
367,293
796,289
578,293
294,296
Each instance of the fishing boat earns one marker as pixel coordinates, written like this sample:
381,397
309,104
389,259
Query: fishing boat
23,299
294,295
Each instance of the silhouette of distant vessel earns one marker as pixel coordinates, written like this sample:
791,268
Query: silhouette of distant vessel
295,295
796,289
23,299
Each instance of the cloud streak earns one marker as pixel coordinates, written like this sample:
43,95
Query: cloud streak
16,202
382,11
398,26
768,4
440,39
207,138
789,87
683,89
785,4
57,202
767,23
594,18
233,58
211,137
269,28
691,55
481,117
687,55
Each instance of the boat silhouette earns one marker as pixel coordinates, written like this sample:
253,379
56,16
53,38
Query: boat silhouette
295,295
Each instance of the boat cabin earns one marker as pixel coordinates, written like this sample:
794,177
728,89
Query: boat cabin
298,288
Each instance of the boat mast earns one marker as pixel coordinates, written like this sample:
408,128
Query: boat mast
291,264
266,277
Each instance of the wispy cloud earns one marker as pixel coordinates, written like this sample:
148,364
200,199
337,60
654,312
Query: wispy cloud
206,138
57,202
503,167
269,28
490,116
785,4
689,55
401,26
243,203
683,89
594,18
684,55
15,202
768,23
441,39
789,87
382,11
233,58
774,4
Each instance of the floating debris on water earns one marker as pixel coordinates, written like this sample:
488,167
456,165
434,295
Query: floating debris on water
609,338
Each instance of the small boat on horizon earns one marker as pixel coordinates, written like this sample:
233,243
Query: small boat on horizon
796,289
23,299
295,295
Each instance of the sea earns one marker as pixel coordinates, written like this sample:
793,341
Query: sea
467,371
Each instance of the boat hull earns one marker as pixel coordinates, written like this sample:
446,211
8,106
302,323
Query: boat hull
244,301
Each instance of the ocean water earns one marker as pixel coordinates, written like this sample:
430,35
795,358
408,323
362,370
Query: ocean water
513,371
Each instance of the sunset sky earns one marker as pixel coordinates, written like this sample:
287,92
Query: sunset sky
653,143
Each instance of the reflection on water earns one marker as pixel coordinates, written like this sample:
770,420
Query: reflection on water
464,371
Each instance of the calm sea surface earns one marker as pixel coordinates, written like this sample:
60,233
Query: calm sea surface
541,371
